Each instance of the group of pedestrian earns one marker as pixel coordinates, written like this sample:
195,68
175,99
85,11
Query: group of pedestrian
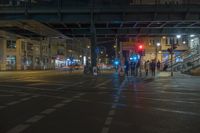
151,65
130,68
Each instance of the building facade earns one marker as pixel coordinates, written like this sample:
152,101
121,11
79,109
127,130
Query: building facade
156,48
48,53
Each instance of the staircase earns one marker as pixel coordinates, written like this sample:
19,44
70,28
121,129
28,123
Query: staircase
189,63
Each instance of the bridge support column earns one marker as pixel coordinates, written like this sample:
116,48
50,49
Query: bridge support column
93,48
93,37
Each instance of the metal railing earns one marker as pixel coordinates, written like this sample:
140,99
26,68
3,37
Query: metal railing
188,64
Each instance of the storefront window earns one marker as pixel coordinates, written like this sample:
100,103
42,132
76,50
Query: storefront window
11,62
11,44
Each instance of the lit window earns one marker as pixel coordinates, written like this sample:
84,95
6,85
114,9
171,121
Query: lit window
11,44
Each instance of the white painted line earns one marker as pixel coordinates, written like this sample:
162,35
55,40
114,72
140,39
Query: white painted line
112,113
35,119
76,97
35,96
13,103
2,107
19,128
67,101
25,99
168,100
71,85
114,106
102,88
180,93
116,100
48,111
105,130
177,111
104,83
59,105
108,121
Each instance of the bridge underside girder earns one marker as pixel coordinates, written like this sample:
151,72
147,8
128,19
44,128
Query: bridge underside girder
148,20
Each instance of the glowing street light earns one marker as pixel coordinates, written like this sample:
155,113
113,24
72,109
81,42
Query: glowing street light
192,35
178,36
158,44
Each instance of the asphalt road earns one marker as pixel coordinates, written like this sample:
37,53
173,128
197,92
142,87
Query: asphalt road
59,102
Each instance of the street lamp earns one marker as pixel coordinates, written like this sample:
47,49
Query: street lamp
192,35
178,36
157,45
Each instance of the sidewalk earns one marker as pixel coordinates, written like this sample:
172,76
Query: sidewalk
175,74
166,75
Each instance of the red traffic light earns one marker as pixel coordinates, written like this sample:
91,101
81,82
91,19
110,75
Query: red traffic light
140,47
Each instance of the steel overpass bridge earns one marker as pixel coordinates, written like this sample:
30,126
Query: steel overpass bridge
101,18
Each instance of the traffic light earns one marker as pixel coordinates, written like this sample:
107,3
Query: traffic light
134,58
140,50
116,62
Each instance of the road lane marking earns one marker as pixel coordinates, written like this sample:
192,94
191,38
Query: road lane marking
104,83
67,101
105,130
13,103
35,118
114,106
168,100
111,113
76,96
71,85
22,127
25,99
108,121
2,107
48,111
169,110
176,111
59,105
19,128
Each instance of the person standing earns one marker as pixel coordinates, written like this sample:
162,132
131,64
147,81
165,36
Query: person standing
158,65
137,67
133,68
146,67
126,67
153,68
